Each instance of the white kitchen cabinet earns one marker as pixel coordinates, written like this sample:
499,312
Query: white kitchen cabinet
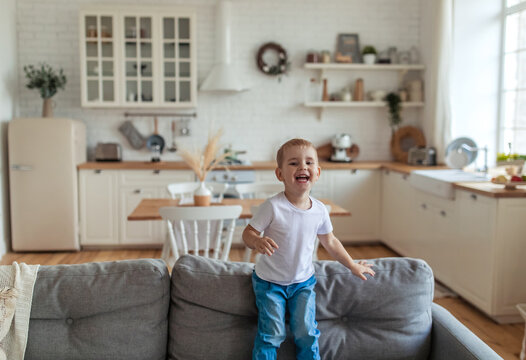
98,192
435,233
107,197
397,225
474,244
490,253
510,253
98,54
136,185
138,57
137,232
358,192
473,260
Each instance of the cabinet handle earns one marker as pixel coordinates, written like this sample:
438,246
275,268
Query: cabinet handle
405,176
157,171
98,171
423,206
386,172
137,191
443,213
353,171
474,197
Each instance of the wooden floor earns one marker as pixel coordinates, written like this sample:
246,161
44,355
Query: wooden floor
506,340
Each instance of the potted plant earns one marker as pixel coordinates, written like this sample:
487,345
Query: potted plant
394,106
369,54
47,81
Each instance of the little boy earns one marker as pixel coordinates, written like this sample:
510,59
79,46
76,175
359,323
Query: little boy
284,279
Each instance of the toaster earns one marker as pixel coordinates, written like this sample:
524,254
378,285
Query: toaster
108,152
422,156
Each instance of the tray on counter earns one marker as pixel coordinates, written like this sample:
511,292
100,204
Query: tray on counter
509,185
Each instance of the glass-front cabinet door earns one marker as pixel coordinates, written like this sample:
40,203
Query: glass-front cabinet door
139,67
177,50
98,60
139,58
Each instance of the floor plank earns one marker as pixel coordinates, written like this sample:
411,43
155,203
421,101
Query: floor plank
506,340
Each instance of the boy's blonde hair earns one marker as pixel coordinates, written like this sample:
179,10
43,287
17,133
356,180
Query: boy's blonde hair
288,145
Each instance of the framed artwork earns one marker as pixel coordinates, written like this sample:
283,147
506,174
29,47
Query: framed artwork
348,49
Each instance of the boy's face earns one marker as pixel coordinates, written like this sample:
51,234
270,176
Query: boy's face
299,170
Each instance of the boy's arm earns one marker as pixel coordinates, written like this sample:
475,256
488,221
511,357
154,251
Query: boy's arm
338,252
263,245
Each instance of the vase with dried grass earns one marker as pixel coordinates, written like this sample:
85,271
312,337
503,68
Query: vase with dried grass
201,162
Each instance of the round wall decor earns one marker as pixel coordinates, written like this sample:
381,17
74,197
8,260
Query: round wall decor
405,138
278,64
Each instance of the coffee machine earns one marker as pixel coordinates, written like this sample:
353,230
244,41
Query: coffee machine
340,144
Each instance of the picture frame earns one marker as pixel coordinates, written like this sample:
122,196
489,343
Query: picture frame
348,49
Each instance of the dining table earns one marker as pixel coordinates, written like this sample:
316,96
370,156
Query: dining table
148,209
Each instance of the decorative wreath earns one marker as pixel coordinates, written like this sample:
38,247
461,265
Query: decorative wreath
273,69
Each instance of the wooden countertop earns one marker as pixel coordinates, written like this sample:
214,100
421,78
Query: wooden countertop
481,188
491,190
256,165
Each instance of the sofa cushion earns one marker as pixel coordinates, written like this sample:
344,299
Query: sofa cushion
213,312
108,310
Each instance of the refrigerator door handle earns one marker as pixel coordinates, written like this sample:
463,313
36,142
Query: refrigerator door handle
21,167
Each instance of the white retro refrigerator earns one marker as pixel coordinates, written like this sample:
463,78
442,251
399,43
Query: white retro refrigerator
43,158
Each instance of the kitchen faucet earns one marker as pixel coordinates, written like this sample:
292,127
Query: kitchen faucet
484,169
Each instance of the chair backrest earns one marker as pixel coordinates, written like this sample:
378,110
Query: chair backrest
178,218
262,189
185,190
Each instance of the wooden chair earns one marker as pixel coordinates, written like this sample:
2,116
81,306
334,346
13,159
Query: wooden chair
262,189
185,190
179,218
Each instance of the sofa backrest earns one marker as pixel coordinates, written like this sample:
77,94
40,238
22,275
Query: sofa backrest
107,310
213,313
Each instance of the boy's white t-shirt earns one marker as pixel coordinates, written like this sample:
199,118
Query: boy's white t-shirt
294,231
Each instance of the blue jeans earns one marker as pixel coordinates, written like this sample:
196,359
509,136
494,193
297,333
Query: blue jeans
272,301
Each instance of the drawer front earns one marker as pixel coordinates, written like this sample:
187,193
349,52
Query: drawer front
155,177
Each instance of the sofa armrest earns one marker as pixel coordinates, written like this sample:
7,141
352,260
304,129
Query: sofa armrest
451,340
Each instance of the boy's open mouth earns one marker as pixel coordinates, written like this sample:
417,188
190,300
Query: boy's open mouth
302,178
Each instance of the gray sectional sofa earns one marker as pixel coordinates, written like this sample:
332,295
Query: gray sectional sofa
134,309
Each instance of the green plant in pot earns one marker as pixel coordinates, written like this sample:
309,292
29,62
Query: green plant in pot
47,81
369,54
394,105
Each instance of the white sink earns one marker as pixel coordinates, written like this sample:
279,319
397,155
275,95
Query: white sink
440,182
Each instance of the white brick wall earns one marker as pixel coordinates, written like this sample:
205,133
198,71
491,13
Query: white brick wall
258,120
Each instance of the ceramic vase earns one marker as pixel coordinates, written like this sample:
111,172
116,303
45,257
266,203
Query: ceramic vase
202,195
47,108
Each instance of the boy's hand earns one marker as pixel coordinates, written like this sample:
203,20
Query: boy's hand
265,245
362,267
